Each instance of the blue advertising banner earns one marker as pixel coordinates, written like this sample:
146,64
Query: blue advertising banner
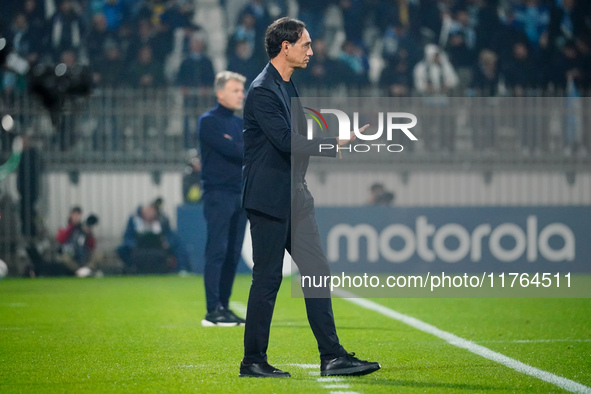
456,239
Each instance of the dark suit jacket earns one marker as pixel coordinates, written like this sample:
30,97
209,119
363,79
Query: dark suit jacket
274,157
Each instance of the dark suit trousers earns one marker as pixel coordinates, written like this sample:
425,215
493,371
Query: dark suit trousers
270,238
226,223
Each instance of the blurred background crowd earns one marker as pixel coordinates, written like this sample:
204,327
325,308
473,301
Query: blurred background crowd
498,85
461,47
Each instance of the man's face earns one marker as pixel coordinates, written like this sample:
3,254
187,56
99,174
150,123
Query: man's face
298,54
149,213
232,95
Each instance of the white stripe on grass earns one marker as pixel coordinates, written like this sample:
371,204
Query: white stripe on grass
327,380
305,366
238,307
344,392
452,339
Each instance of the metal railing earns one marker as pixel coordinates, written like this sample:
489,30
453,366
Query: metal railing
131,131
122,129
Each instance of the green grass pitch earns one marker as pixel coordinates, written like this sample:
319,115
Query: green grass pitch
143,334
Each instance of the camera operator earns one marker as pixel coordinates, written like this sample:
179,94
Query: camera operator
78,244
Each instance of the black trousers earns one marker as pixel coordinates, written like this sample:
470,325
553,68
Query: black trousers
270,238
226,224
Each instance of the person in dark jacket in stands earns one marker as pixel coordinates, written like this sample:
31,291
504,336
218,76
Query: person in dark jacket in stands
222,146
195,78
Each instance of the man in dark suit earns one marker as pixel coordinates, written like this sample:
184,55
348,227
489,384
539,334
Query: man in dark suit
275,163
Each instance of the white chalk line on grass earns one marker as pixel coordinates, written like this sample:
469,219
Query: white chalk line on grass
455,340
322,380
238,307
538,341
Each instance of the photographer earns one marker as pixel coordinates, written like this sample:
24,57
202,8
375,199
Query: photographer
77,244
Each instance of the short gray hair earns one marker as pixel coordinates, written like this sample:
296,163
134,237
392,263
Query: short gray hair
223,77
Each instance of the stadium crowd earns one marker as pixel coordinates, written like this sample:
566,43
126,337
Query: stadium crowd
425,47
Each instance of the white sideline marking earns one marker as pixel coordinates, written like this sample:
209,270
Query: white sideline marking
344,392
452,339
305,366
336,386
539,341
326,380
238,307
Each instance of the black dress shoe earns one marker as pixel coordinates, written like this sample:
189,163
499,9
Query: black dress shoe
261,370
239,321
348,365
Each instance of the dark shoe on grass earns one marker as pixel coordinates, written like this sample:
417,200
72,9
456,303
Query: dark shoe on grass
347,365
261,370
232,316
219,317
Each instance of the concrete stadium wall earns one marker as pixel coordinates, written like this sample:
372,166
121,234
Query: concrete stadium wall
114,196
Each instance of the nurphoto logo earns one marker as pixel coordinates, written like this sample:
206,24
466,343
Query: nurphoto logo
391,125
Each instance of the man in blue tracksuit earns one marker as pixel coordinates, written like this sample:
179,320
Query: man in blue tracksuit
222,147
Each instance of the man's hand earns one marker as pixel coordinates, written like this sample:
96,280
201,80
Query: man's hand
352,136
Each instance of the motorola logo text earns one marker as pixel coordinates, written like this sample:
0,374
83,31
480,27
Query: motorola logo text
429,242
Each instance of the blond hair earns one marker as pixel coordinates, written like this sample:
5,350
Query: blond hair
223,77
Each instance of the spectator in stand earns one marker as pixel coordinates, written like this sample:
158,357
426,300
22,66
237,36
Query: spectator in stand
485,83
356,64
397,38
461,45
163,37
312,13
115,12
244,63
396,77
142,37
147,35
488,23
195,78
178,15
34,11
65,30
434,75
520,71
567,22
97,36
196,70
429,20
258,10
353,20
247,31
109,68
403,13
125,39
569,64
505,37
67,133
25,40
322,71
145,72
26,45
532,18
583,45
485,78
